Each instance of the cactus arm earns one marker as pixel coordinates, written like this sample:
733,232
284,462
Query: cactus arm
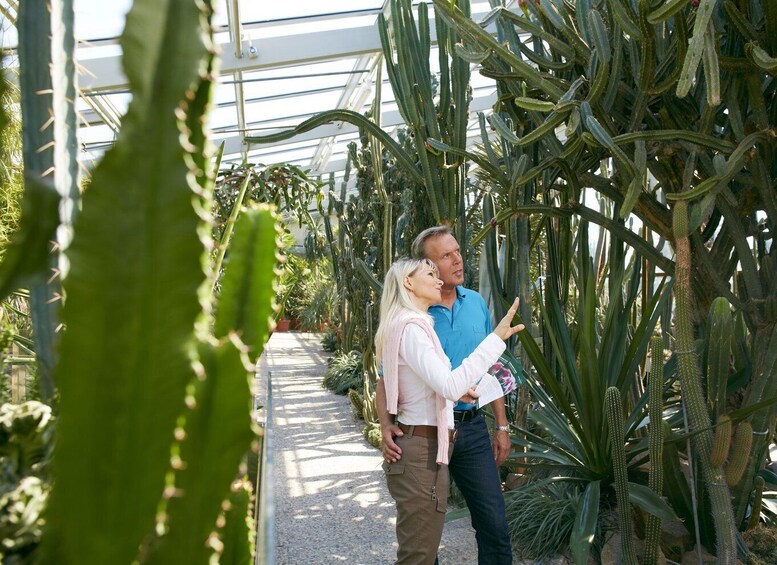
695,46
352,118
720,328
675,55
721,441
742,443
470,29
711,66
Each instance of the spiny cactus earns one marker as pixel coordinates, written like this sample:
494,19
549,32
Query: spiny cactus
655,446
758,493
721,440
357,403
693,394
740,452
612,400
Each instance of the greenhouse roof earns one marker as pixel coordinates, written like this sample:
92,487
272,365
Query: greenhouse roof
281,63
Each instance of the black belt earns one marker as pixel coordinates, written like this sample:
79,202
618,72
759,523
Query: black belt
462,416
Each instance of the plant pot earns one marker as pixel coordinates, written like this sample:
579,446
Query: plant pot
282,325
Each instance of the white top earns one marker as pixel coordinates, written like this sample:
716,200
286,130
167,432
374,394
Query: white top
422,374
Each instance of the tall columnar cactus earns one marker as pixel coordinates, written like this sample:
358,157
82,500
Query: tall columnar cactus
655,446
608,74
154,406
693,394
612,402
47,81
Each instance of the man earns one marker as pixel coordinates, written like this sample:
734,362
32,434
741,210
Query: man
462,321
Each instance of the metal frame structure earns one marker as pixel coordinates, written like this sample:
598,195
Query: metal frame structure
273,75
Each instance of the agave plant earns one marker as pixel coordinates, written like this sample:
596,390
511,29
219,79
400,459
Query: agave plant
569,435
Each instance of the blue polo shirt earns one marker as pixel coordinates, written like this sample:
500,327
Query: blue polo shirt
462,328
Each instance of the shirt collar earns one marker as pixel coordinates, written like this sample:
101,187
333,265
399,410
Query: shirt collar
461,293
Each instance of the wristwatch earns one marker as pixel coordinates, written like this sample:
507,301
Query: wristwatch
502,428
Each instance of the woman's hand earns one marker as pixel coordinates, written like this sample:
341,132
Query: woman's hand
503,328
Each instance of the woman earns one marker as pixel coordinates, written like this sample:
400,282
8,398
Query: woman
420,388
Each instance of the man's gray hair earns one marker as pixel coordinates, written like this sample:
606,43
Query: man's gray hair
417,249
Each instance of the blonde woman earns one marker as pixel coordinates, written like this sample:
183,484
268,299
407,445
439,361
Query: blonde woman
420,389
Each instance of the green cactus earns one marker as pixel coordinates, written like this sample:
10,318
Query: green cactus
742,443
238,530
357,403
655,446
721,440
46,41
758,492
720,328
693,395
612,400
154,409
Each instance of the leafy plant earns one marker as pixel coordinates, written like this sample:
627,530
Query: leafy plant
568,437
330,340
284,185
26,444
318,304
344,373
541,516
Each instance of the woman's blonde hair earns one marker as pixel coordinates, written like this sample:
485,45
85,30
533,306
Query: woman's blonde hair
396,297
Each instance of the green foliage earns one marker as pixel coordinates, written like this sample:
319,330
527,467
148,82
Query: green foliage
540,517
21,520
597,349
11,180
318,304
330,340
26,444
344,373
283,185
762,543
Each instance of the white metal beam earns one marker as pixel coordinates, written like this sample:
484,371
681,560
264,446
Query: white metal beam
104,73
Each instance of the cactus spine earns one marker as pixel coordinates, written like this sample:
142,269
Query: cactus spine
612,402
740,453
693,395
655,446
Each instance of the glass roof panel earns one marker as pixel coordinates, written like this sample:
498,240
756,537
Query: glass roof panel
278,92
273,11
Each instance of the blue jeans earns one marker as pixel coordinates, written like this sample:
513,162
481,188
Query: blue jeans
474,471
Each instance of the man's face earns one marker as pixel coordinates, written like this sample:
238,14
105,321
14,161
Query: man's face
444,252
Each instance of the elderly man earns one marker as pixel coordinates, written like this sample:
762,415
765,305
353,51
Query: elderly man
461,321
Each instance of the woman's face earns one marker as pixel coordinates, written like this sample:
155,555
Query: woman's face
424,287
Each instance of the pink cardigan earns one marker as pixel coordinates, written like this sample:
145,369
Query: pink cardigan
391,374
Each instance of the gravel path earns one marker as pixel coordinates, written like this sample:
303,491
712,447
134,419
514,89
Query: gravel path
331,502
